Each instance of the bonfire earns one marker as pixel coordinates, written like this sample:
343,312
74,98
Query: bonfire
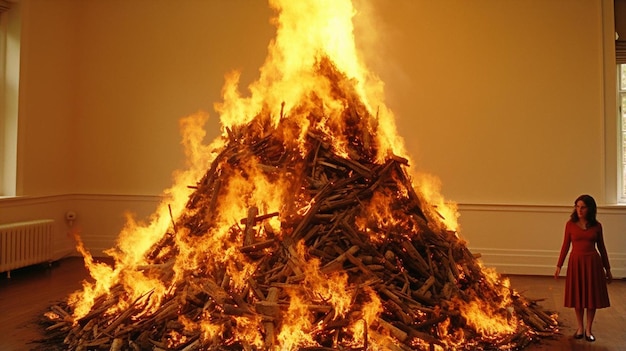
300,228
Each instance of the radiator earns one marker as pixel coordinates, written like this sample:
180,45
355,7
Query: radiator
25,243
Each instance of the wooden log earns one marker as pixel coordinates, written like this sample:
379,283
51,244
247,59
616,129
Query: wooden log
249,228
413,197
453,265
57,325
415,255
193,345
217,293
86,330
427,285
260,218
100,342
383,289
357,262
426,337
258,246
548,319
532,319
382,175
431,321
337,263
355,165
401,160
397,333
117,344
122,317
285,271
235,310
210,213
398,311
315,204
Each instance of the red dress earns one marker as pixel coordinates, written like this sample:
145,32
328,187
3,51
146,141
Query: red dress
585,283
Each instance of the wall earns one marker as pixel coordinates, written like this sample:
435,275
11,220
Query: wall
47,96
104,84
99,217
503,101
524,239
143,66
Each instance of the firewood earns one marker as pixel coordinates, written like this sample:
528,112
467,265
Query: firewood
260,218
337,263
356,166
398,312
549,320
392,330
117,344
192,346
418,270
249,229
61,312
257,246
415,255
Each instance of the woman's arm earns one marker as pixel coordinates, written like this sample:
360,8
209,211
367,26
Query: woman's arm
605,258
567,240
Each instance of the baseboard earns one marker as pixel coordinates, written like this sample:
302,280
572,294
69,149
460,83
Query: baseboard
61,254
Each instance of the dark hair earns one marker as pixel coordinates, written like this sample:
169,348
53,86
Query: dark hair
592,210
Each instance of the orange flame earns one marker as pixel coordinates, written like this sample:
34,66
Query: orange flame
308,34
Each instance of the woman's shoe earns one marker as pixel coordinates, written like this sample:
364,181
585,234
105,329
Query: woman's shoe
578,336
590,337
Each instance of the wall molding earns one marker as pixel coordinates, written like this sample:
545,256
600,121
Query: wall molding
513,239
8,201
526,239
602,209
100,217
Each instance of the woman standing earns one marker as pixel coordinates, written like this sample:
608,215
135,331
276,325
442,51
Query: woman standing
588,269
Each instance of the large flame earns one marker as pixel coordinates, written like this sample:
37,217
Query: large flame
312,37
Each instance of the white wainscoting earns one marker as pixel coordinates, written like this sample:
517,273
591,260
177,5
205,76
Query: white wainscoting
25,208
99,218
513,239
527,240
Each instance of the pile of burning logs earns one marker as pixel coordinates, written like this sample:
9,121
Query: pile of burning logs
420,271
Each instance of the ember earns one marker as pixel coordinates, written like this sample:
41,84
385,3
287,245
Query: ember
305,233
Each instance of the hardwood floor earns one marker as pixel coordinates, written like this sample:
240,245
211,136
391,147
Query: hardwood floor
30,291
609,326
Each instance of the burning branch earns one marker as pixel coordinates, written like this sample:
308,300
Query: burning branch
303,235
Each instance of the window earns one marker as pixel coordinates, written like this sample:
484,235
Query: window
9,81
621,108
3,37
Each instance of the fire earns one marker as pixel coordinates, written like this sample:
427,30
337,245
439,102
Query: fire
305,231
306,31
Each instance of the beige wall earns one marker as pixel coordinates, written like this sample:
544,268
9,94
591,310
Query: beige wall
104,84
504,101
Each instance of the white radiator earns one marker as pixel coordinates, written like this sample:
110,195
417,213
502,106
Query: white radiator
25,243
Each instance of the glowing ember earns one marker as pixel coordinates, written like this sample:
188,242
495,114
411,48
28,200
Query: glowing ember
305,232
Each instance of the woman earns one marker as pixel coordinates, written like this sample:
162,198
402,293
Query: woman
588,269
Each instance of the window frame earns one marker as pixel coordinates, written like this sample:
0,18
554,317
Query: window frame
621,115
3,111
10,33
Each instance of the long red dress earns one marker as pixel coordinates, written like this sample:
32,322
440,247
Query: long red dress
585,283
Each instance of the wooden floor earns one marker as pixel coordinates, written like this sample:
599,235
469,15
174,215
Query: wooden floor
32,290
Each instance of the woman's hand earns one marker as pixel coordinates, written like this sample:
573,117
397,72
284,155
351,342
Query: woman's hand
609,277
558,272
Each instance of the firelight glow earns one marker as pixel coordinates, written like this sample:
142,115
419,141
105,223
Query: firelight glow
240,242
